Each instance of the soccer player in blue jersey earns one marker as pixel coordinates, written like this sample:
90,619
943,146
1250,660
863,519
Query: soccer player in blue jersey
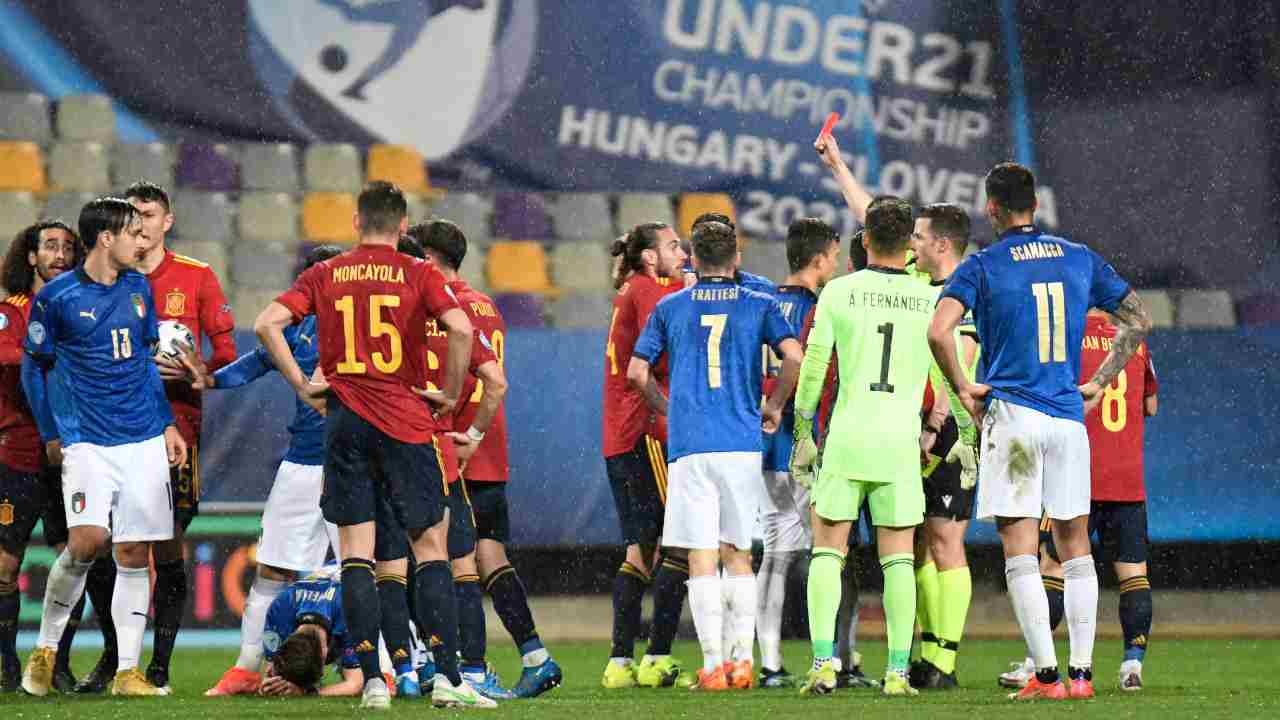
101,408
306,629
1029,293
712,335
813,256
295,537
759,283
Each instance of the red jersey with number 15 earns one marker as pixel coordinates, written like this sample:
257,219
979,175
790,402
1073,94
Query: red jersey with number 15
20,444
626,415
371,304
1116,425
490,463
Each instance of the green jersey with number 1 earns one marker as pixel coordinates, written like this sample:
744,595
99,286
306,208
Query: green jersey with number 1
877,320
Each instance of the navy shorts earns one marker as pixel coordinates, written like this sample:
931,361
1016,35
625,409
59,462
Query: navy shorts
489,504
1118,528
943,496
370,476
185,480
462,522
639,483
25,498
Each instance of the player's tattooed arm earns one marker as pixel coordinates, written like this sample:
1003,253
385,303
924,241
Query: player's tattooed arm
640,378
1132,322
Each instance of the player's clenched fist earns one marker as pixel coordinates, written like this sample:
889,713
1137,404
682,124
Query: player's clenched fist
175,446
805,452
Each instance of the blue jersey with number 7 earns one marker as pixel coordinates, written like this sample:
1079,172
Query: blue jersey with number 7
712,334
1029,293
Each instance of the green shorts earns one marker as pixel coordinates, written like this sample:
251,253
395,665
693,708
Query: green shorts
893,504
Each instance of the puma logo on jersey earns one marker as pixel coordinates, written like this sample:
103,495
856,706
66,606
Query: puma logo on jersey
305,338
92,314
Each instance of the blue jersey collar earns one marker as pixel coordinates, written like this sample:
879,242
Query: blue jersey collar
1018,230
782,289
715,279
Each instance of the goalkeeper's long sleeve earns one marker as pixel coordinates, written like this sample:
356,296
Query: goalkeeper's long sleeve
813,372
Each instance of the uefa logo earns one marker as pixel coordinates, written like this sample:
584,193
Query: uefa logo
435,75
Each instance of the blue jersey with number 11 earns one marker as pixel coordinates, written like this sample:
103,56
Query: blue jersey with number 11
1029,293
712,334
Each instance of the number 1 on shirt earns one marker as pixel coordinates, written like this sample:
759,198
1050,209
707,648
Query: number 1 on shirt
716,323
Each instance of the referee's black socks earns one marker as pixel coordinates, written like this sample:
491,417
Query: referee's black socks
359,590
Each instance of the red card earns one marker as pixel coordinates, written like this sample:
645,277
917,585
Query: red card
832,119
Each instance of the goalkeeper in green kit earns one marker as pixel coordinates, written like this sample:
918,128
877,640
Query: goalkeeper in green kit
877,321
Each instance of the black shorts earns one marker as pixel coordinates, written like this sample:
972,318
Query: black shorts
462,522
639,483
1119,529
943,496
25,498
186,489
489,504
369,475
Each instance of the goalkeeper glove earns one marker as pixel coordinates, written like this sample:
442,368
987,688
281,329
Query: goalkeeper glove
968,459
805,451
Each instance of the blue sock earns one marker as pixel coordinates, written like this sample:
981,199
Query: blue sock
1135,616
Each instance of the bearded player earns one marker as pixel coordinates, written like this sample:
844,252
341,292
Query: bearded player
647,269
30,486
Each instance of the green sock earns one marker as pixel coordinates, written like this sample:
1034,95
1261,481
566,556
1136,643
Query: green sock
824,599
899,608
927,609
956,589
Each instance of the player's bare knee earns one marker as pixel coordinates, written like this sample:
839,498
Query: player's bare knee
431,544
463,566
490,555
132,554
9,565
86,543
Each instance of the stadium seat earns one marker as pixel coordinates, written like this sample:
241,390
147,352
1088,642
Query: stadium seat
521,310
1261,308
66,206
1160,305
82,166
203,216
402,165
271,166
1206,309
767,258
208,166
21,167
471,212
248,302
518,267
582,310
636,208
582,266
86,118
268,266
17,211
419,208
268,216
327,217
332,168
131,162
520,215
584,217
691,205
25,116
472,270
215,254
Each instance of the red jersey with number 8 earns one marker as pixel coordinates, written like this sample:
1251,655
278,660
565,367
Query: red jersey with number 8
626,415
1116,425
371,304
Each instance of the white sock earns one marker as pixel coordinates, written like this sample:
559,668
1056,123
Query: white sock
261,594
728,632
62,592
707,606
129,605
847,621
1031,606
743,620
772,587
1080,599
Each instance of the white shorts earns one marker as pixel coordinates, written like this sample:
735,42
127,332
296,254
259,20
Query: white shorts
784,509
1032,464
712,498
124,488
295,535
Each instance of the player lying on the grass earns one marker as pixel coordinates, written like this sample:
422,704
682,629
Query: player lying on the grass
712,334
813,255
30,487
89,339
1116,422
876,320
295,537
1029,294
481,419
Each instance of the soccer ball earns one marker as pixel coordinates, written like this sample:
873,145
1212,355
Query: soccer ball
174,338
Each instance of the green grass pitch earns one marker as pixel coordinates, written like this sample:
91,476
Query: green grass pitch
1185,679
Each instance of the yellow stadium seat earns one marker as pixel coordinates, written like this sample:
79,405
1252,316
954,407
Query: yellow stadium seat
692,205
519,267
327,217
402,165
21,167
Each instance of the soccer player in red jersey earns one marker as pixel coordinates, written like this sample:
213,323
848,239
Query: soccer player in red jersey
382,455
30,486
648,268
1116,423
